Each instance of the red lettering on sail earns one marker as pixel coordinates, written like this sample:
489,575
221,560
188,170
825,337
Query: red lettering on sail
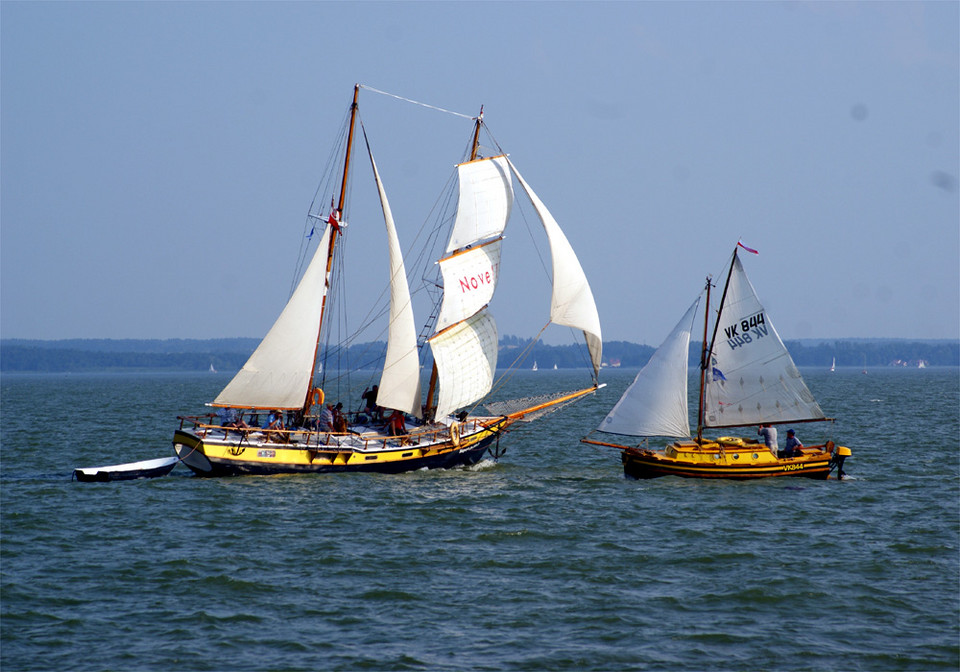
476,281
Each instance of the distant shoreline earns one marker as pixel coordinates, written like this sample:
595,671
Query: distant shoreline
105,355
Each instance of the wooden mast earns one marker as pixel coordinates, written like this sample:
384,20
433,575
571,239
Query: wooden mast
335,231
432,389
713,340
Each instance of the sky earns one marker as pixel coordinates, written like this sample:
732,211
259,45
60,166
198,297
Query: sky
157,160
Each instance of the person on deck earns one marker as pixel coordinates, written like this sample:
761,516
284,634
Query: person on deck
274,421
370,403
231,419
793,447
396,425
326,419
339,420
769,434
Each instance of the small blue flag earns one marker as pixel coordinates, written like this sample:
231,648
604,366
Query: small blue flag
717,373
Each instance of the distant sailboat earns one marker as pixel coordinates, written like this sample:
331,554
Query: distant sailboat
554,367
212,370
833,365
534,365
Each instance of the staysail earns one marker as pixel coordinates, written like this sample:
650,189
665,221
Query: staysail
400,383
655,404
465,343
751,378
572,302
277,374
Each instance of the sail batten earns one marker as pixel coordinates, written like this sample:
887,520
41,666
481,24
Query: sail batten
277,374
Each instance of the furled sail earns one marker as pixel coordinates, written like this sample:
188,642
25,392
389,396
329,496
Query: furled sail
400,382
655,404
572,303
751,378
465,344
278,372
466,358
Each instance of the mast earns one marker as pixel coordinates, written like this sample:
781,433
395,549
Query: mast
432,389
713,340
703,362
333,238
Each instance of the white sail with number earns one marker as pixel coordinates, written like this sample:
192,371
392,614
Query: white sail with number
751,378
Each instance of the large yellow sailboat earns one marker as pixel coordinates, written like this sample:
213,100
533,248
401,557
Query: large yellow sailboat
284,380
747,378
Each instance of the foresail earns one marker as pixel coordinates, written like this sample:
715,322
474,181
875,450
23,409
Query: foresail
751,378
278,372
572,302
656,404
485,200
400,382
469,280
466,359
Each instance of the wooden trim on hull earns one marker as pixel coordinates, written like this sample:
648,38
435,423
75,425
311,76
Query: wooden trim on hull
642,467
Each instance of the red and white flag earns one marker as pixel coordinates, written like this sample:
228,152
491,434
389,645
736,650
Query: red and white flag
748,249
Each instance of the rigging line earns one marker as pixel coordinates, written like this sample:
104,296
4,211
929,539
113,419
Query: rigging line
514,365
415,102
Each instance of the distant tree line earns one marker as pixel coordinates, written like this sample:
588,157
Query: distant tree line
230,354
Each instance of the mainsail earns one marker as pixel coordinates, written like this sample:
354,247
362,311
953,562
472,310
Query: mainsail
572,302
751,378
655,404
400,382
277,374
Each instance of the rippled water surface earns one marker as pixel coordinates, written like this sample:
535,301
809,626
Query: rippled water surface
549,559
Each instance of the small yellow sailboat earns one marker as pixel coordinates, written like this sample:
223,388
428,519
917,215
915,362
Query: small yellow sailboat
286,379
747,378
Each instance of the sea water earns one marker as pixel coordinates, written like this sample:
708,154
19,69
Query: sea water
546,560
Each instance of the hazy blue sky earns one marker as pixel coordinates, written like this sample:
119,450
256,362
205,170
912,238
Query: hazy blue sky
158,159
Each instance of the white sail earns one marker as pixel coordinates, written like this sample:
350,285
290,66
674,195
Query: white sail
278,372
655,404
466,359
751,378
469,280
400,382
485,200
572,303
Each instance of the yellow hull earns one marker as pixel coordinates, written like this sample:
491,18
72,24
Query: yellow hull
728,457
209,453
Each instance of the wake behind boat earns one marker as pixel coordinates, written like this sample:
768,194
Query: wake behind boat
747,378
275,415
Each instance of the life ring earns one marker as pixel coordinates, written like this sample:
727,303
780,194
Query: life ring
455,434
317,396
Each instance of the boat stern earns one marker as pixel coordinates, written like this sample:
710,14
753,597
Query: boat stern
189,448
